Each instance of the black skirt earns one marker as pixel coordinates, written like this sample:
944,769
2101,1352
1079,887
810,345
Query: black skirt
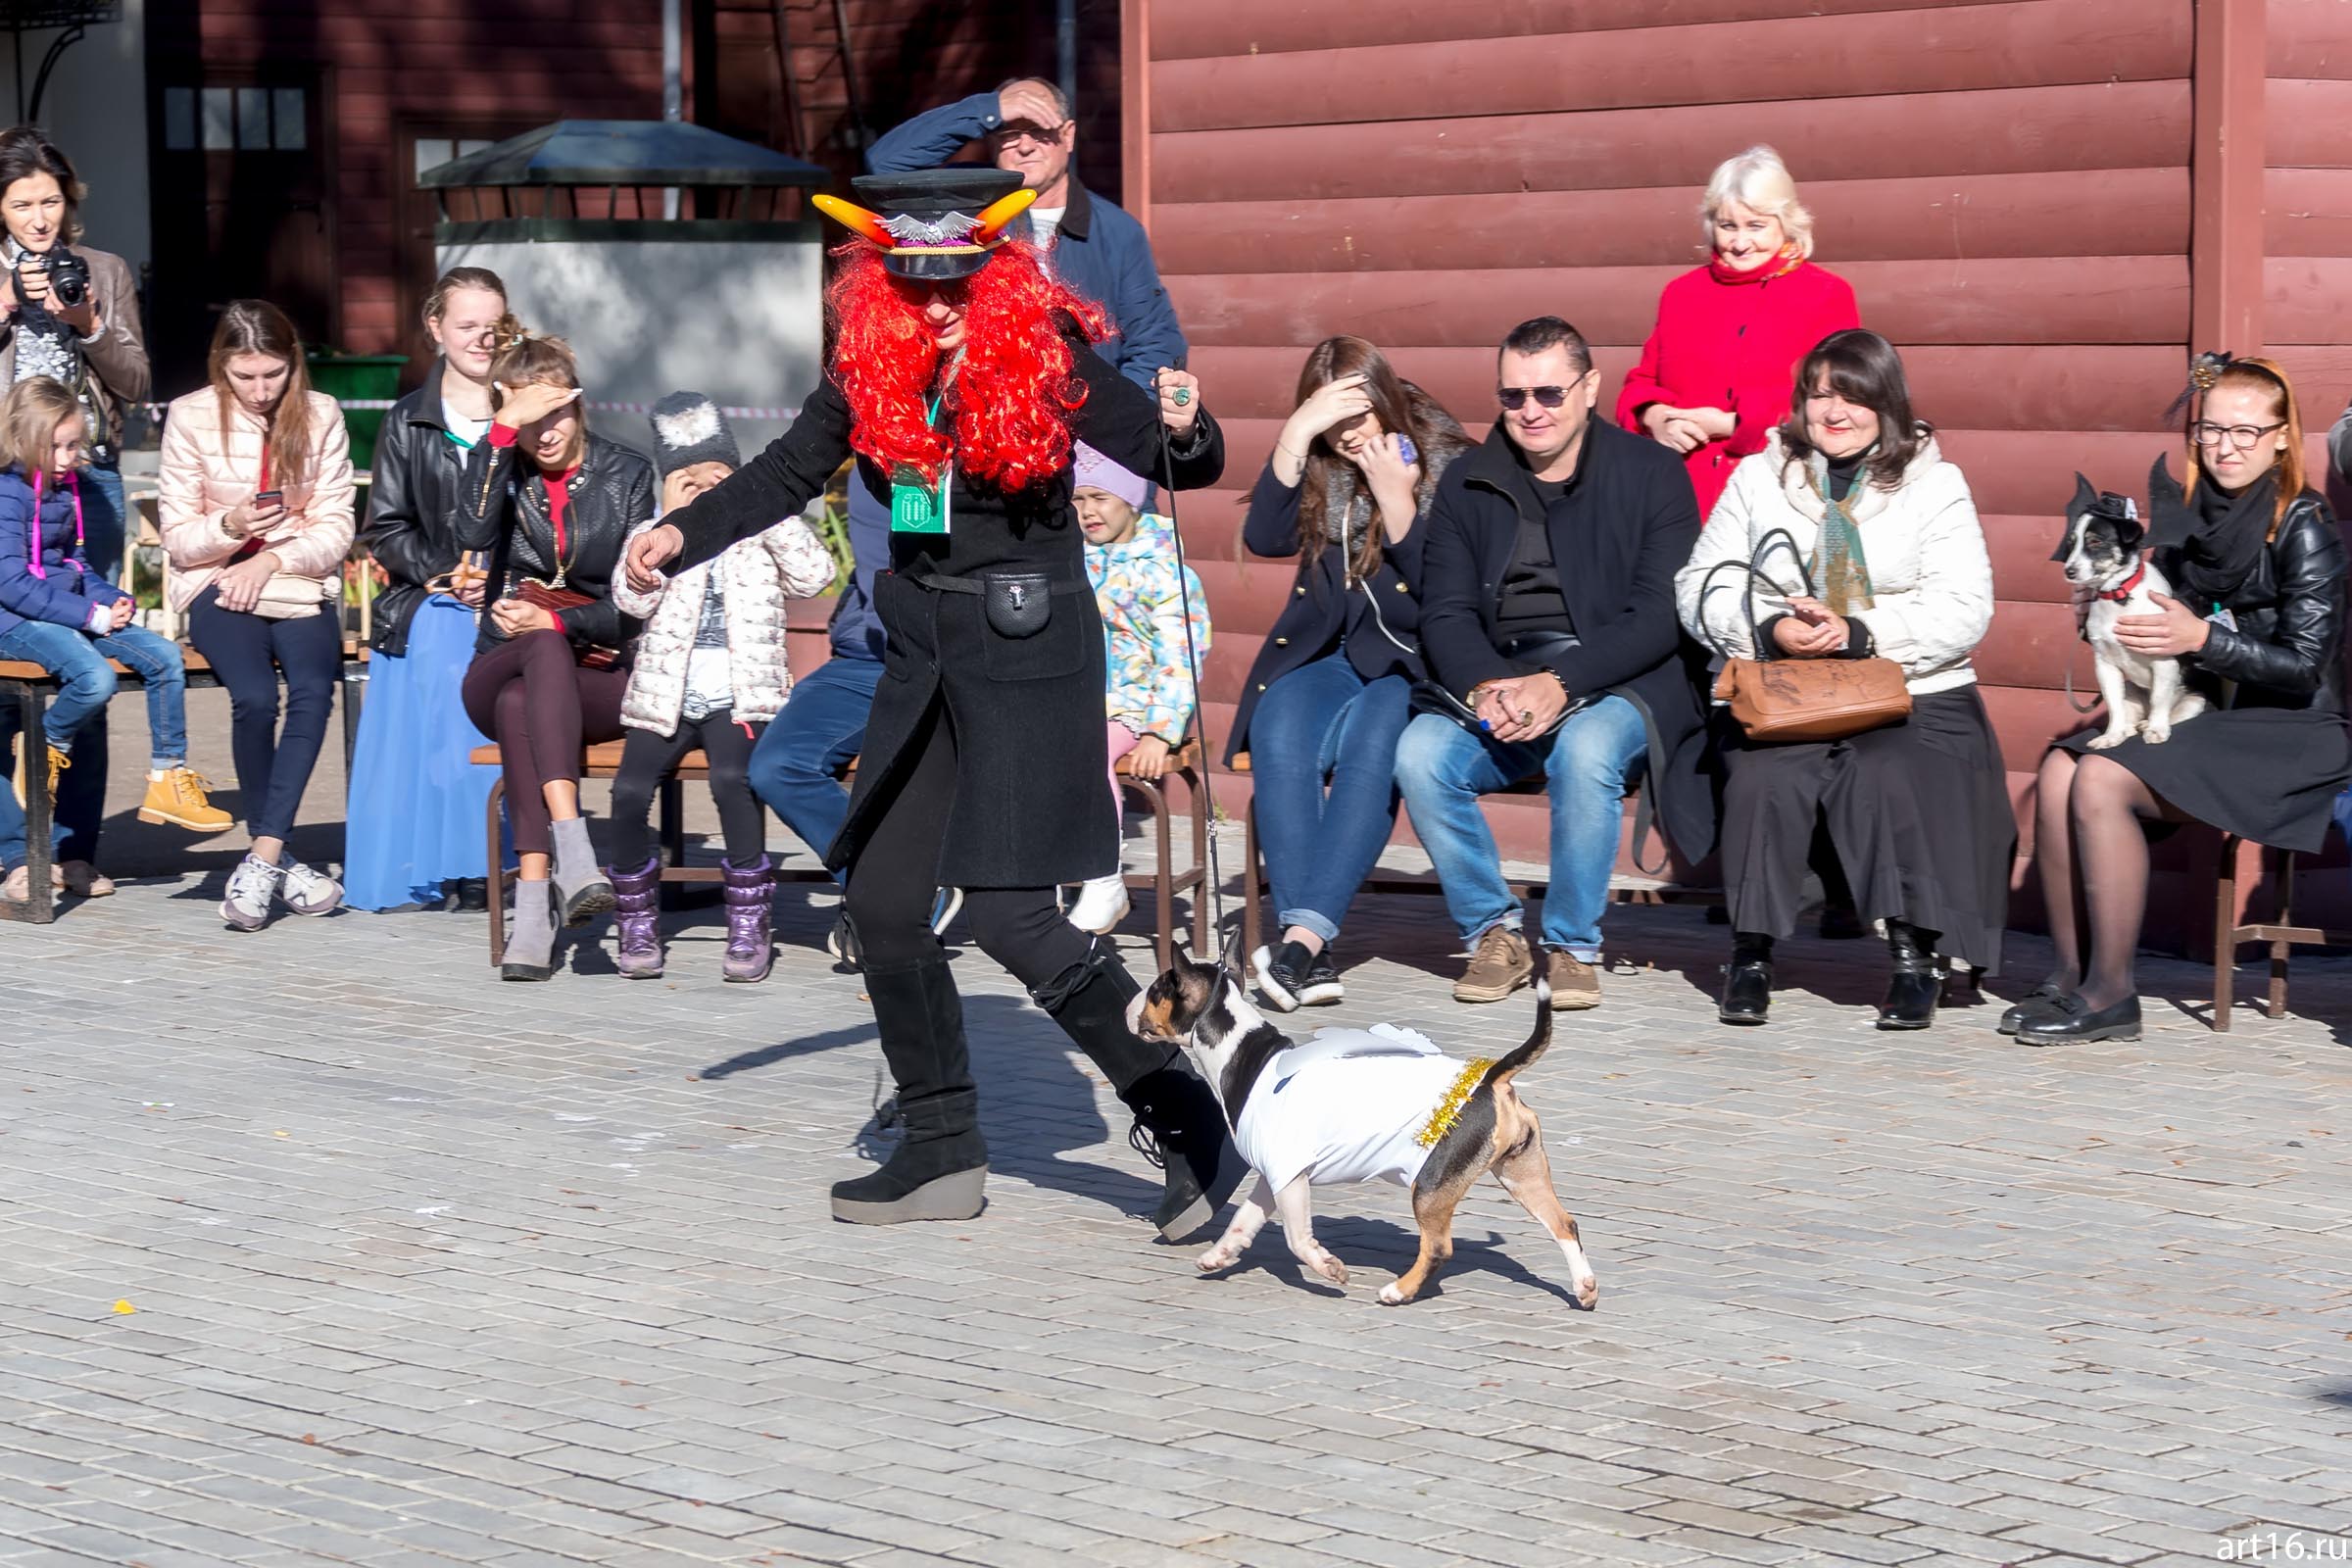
2269,774
1918,811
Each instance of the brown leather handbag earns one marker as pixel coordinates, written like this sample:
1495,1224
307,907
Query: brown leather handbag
555,600
1786,699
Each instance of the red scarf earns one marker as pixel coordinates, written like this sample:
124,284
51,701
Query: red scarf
1787,261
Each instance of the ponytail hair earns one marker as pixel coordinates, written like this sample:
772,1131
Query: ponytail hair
436,304
522,359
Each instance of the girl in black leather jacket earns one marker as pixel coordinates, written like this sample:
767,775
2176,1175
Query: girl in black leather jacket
551,506
2258,620
414,832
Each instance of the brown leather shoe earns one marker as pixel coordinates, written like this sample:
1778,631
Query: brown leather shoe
1500,965
1575,984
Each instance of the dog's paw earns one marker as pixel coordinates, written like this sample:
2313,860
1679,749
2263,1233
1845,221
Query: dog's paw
1588,1294
1393,1293
1330,1267
1219,1256
2107,743
2156,734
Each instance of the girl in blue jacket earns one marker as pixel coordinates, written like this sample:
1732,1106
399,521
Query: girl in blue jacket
55,612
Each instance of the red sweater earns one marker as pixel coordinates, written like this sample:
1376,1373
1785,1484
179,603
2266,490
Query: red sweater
1731,341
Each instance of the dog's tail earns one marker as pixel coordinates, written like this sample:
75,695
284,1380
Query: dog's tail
1524,1056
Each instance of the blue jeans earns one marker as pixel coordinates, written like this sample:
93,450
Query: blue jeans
1586,763
86,681
81,804
103,533
797,766
1325,722
248,653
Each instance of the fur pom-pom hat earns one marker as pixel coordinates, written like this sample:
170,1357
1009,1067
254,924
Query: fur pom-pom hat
688,430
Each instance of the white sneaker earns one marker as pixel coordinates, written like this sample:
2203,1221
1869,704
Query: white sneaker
1102,903
251,887
309,891
943,908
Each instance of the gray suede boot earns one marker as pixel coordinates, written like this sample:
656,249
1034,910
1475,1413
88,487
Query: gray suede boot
581,885
531,940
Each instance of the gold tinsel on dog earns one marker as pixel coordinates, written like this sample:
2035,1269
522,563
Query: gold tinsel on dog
1465,1083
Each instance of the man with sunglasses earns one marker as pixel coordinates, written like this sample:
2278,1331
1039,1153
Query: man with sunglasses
1089,244
1547,615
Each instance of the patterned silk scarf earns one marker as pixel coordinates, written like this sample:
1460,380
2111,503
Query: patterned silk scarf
1840,571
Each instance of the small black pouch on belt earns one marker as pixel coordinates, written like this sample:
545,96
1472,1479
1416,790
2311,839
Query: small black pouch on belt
1017,604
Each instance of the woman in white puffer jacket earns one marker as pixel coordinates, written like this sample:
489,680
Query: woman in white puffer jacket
1888,563
710,672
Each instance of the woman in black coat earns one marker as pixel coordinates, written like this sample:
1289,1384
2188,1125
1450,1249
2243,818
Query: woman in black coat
960,375
1351,479
416,809
2257,617
552,503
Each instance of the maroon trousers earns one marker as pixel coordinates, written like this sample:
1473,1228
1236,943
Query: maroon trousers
531,696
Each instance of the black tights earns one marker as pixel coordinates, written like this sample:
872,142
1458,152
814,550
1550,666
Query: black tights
896,876
2092,855
648,758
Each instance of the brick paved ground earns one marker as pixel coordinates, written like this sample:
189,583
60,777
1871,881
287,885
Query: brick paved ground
429,1269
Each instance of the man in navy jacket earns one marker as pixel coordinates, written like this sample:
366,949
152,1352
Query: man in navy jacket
1092,245
1547,614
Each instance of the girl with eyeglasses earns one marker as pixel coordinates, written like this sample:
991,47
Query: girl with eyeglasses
2257,619
1349,483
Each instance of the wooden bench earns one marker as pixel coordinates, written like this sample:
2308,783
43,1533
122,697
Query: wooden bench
1164,881
31,686
2279,932
1255,885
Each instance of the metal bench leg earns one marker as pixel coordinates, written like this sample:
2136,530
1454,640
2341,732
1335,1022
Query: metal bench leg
2225,935
2281,947
498,875
40,853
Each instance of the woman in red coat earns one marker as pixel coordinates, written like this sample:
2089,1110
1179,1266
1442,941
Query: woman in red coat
1715,374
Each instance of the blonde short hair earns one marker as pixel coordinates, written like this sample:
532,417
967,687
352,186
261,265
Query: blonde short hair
1759,181
29,419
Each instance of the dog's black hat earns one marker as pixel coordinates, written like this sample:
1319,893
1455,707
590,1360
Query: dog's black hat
934,224
2090,501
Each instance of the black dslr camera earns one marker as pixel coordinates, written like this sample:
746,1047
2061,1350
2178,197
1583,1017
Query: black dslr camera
69,279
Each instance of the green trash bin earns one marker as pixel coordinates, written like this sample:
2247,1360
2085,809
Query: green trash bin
361,377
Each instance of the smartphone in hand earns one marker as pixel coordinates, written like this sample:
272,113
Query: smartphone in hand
269,498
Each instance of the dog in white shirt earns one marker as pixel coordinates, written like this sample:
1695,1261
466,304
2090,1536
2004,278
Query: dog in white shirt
1360,1104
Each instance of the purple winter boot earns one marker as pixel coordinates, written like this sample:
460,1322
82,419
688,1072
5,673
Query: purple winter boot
749,897
637,895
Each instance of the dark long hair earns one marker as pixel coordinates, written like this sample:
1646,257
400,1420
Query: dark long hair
257,327
1862,367
26,151
1392,404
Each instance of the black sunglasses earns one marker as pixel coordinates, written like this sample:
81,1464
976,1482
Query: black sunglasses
1515,398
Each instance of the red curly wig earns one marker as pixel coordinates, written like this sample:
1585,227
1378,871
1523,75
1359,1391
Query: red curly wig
1011,400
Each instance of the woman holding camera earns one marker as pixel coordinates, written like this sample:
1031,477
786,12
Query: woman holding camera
415,816
257,519
553,505
72,314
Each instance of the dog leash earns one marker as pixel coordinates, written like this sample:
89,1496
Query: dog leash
1191,661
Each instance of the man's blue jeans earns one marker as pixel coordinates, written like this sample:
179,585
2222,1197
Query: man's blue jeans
797,766
1323,722
1586,763
86,681
81,804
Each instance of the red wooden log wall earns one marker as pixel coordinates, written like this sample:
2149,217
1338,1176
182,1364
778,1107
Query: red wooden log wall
2006,185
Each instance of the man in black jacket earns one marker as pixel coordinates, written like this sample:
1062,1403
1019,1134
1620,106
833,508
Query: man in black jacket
1547,610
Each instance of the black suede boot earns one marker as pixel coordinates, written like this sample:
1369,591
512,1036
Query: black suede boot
1746,980
941,1165
1912,991
1178,1125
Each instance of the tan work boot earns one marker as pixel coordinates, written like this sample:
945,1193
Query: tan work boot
59,761
178,796
1500,965
1575,984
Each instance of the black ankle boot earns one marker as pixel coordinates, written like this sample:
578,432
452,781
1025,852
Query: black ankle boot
940,1167
1178,1125
1746,980
1913,989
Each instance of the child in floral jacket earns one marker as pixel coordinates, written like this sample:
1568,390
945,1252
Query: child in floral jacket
1142,593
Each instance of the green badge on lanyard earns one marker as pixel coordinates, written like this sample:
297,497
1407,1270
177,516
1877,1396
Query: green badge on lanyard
916,507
